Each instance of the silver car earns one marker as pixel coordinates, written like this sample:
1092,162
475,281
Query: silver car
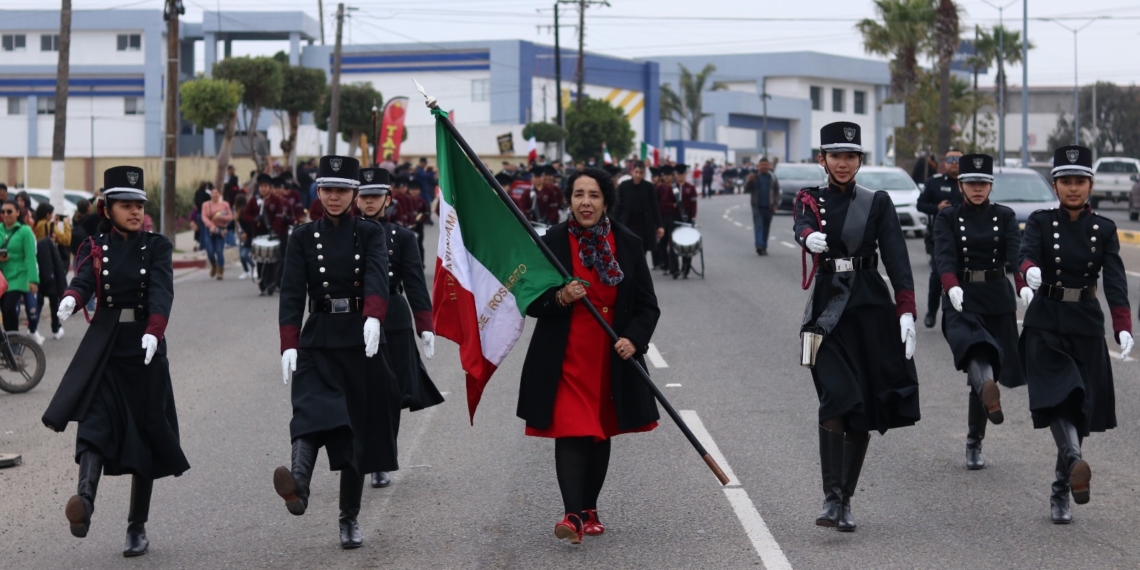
904,193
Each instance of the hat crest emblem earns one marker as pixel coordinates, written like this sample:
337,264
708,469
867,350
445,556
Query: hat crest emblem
132,178
335,163
978,163
368,176
1072,155
849,133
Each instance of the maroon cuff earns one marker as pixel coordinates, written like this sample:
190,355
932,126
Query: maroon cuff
375,306
423,322
1025,266
807,232
290,337
904,303
1121,321
1019,281
75,295
949,281
156,325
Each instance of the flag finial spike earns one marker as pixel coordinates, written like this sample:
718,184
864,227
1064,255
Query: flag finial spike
431,102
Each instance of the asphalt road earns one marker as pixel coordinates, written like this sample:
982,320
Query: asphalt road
485,496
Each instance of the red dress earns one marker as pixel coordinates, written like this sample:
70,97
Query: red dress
583,403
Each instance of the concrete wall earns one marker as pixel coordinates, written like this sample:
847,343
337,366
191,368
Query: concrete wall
81,172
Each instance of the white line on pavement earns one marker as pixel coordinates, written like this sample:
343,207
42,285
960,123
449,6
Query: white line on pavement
1116,355
762,539
695,424
738,224
673,385
749,228
655,358
786,244
1133,273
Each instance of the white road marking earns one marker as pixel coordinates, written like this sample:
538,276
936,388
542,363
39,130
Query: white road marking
762,540
749,228
655,358
674,385
738,224
786,244
1133,273
1116,355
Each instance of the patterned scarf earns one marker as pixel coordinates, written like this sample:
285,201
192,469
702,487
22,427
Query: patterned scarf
595,251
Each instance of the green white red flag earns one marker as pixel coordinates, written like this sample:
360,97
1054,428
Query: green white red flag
650,154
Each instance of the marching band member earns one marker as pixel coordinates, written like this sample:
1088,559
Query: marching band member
548,196
686,196
637,208
864,378
1063,350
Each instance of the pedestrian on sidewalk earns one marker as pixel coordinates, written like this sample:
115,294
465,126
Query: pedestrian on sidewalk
216,216
765,191
118,386
577,387
53,274
19,265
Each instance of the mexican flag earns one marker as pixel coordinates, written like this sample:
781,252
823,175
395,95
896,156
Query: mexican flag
488,270
606,158
532,150
649,154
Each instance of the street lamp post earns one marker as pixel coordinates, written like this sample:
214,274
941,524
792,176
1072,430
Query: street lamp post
764,96
1076,84
1001,77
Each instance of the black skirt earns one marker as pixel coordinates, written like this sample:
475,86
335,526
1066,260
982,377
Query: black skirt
336,401
862,372
384,410
992,336
418,391
1070,377
131,420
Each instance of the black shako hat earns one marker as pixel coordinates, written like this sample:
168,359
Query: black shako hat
1072,160
124,183
375,182
841,136
338,172
666,170
277,182
264,178
976,168
681,168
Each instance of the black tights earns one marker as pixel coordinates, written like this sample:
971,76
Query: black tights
581,464
838,425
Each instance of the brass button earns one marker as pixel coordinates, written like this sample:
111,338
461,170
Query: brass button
605,309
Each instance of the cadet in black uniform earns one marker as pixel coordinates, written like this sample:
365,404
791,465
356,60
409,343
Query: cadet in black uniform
975,246
1063,350
864,378
341,264
118,384
939,192
415,390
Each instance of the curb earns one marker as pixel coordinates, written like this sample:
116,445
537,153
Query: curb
1128,237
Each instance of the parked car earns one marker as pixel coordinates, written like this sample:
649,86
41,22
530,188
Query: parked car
1113,179
1023,190
39,195
793,177
903,190
1134,199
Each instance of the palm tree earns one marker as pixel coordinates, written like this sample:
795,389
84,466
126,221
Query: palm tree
989,49
687,107
943,46
903,33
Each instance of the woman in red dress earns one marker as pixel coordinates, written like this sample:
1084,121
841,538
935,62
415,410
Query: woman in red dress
573,389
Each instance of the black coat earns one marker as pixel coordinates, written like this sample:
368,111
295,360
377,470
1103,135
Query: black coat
637,209
938,188
635,318
979,240
406,276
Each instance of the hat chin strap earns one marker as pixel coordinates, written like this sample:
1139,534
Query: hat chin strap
831,179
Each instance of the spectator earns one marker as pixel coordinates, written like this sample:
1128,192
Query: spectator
765,190
53,275
231,187
216,217
18,264
388,164
201,196
3,192
23,201
425,179
707,178
57,227
78,228
245,240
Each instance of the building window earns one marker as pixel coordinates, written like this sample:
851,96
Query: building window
17,106
14,42
130,42
133,106
860,102
480,90
49,42
837,100
816,98
45,105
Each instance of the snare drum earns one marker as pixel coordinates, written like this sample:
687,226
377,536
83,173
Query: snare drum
264,249
687,241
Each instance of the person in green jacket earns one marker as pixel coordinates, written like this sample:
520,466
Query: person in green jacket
18,265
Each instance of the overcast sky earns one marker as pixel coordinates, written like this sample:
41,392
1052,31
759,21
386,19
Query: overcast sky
639,28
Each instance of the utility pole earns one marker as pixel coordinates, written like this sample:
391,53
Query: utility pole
1001,77
59,136
764,96
1024,83
174,9
321,12
1076,83
334,94
558,80
974,144
580,74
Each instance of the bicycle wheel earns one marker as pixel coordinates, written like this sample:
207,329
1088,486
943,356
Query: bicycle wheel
27,367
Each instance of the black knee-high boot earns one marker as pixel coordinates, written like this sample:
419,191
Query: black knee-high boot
351,489
137,543
854,451
980,375
293,484
1059,509
831,467
976,423
1069,448
81,505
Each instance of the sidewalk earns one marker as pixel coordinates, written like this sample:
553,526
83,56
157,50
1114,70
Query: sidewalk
185,257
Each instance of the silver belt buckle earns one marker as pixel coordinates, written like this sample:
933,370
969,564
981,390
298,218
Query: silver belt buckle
975,276
1070,295
844,264
126,315
340,306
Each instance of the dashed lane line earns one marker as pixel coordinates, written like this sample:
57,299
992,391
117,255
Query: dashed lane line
787,244
655,358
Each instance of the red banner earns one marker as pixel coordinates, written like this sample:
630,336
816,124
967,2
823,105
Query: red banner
392,130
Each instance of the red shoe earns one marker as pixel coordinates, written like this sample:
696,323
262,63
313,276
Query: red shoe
569,527
591,526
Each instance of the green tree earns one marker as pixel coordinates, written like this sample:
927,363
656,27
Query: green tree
544,132
304,88
686,107
595,123
1117,131
944,44
262,81
903,33
356,103
988,51
924,110
207,103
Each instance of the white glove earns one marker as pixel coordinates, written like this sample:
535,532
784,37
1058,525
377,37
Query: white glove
429,344
907,323
1033,277
150,344
1126,343
816,242
1026,295
66,308
955,293
288,364
371,336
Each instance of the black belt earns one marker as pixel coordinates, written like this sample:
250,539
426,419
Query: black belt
973,276
1068,294
350,305
844,264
